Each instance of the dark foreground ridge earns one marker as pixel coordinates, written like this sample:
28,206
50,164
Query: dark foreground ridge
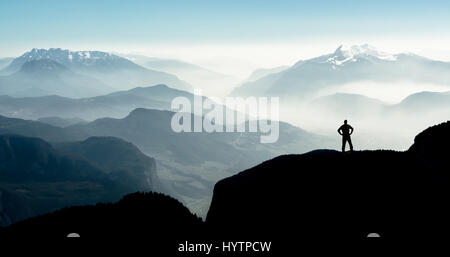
323,197
152,221
328,196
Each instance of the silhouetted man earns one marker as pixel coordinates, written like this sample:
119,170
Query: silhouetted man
345,131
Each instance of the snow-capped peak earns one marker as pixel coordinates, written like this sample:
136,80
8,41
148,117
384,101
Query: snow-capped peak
351,53
71,59
357,50
62,55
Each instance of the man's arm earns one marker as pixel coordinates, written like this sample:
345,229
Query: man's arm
351,129
339,130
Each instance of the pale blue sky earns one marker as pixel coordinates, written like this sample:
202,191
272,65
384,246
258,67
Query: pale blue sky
111,23
199,21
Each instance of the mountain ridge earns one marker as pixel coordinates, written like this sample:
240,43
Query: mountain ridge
38,177
114,71
53,77
343,66
116,104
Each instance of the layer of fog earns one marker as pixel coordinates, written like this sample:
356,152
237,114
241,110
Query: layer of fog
395,132
383,124
379,118
390,93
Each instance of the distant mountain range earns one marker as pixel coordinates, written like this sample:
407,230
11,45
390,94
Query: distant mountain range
36,177
352,105
62,111
60,122
117,104
357,106
362,63
38,129
379,124
260,73
426,102
188,163
77,74
48,77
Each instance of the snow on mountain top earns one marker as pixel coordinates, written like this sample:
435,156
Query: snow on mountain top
344,54
60,54
357,50
362,51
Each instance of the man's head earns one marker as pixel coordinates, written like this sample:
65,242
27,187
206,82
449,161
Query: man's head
345,121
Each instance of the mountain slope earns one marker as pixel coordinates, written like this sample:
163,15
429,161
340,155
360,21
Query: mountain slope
115,105
260,73
190,163
77,61
60,122
110,69
425,102
47,77
352,105
431,145
123,161
5,62
355,64
38,129
37,178
152,132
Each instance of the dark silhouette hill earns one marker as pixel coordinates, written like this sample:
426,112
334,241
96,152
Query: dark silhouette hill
150,221
36,178
38,129
432,146
328,196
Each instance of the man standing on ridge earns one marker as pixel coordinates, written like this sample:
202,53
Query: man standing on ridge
345,131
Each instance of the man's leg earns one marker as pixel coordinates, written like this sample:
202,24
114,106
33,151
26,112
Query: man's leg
350,143
343,144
